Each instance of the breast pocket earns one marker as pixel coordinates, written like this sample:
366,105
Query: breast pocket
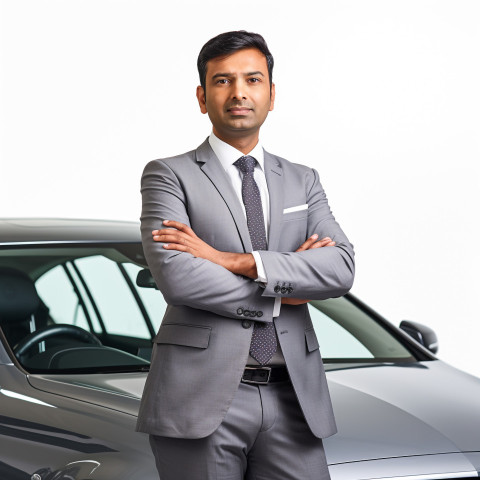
294,230
291,216
197,336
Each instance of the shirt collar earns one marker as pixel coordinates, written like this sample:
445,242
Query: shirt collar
228,154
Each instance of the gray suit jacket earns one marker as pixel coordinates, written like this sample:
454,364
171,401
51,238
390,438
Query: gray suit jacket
202,345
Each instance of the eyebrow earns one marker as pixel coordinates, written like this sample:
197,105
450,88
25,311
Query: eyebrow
249,74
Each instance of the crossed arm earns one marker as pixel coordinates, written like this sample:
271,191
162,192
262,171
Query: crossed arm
180,237
192,274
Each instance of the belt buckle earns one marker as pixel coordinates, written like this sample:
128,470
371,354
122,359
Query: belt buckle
255,382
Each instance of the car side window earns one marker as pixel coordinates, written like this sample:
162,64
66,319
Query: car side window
57,292
111,293
335,341
152,299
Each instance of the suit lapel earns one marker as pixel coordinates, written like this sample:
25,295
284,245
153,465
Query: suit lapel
214,171
274,176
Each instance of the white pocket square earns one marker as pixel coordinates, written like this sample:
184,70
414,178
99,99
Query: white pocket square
295,209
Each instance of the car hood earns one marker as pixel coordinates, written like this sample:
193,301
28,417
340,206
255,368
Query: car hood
398,411
382,411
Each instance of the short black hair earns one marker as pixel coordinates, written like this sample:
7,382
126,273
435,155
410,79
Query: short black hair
228,43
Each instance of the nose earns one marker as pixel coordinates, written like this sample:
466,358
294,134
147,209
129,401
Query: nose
239,91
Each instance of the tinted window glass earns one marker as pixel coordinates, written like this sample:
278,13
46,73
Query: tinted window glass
112,295
56,291
344,331
91,287
82,287
151,298
334,340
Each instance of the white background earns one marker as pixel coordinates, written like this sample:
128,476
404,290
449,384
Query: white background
382,97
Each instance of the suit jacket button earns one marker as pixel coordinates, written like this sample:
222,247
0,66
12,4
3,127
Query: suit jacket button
290,289
276,289
246,324
246,313
259,314
253,313
283,290
240,311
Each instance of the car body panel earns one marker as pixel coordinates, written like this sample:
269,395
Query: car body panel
445,466
374,435
369,405
474,459
117,391
41,430
426,391
27,231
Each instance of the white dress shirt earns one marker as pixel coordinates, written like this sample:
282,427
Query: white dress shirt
228,155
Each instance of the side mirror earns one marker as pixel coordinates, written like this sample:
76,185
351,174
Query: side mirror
422,334
145,279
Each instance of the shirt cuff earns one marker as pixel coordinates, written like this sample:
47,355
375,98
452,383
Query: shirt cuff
276,307
261,275
262,279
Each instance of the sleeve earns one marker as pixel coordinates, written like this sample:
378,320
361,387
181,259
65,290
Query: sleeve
314,274
182,278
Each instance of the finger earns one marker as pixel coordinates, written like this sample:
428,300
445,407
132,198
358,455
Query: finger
306,245
180,226
325,242
157,232
176,246
322,244
172,231
170,236
160,232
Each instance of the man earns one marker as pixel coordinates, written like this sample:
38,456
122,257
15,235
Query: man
237,387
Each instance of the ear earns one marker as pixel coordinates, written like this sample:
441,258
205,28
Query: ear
272,97
201,99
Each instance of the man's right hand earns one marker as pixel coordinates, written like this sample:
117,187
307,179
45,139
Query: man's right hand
309,244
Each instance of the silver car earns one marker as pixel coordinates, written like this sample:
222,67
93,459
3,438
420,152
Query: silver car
78,311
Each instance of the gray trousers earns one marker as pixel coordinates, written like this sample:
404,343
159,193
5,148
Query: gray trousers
263,437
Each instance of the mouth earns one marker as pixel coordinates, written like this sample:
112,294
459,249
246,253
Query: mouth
239,110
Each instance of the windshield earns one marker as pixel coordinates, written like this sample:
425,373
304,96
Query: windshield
348,334
93,317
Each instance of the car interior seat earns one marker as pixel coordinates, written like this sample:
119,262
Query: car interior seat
19,305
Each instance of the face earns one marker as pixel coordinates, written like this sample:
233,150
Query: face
238,95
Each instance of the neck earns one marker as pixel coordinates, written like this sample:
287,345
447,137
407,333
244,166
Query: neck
245,144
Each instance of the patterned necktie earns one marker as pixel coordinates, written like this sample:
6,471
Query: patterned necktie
264,340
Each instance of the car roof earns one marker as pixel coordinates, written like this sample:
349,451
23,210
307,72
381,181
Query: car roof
28,231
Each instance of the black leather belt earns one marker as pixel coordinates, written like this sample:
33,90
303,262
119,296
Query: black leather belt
265,375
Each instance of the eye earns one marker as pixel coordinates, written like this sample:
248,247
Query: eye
254,80
222,81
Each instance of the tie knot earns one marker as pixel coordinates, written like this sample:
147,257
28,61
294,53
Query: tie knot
246,164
